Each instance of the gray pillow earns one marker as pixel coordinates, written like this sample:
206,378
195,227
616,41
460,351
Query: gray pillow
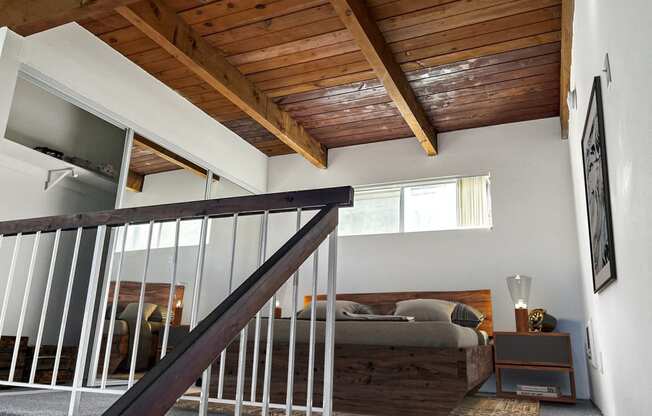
131,311
341,306
426,309
465,315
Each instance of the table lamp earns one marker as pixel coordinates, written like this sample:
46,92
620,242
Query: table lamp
519,289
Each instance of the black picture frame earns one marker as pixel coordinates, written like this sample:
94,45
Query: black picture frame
596,186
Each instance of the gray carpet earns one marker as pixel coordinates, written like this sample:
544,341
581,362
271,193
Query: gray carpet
56,404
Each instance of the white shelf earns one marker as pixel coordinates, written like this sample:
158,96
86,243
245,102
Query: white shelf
40,160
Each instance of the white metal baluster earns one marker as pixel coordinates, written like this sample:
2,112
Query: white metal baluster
23,308
46,301
173,285
10,282
313,327
234,235
87,321
268,356
329,344
141,302
66,306
261,260
101,316
293,333
114,309
242,362
194,319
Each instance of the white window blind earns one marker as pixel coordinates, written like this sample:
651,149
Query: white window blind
427,205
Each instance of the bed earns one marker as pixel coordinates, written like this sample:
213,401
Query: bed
381,368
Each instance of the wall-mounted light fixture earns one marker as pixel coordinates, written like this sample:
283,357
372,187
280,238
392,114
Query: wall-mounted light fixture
571,99
57,175
607,69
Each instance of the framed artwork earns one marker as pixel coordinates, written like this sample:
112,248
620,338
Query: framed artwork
598,203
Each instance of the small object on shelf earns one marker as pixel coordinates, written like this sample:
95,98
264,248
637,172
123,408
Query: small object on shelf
519,289
50,152
534,352
541,321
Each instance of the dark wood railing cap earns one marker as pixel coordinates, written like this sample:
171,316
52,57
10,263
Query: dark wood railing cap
222,207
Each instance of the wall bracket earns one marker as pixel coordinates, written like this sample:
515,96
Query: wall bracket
57,175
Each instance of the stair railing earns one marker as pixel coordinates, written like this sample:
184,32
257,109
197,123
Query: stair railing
160,388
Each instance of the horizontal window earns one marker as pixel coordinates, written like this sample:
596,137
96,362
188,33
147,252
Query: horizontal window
163,235
428,205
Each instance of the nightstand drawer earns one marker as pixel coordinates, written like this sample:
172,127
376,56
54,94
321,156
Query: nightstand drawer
551,350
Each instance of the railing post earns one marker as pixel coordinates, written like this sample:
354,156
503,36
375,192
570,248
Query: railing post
87,322
23,307
141,302
173,287
114,309
329,344
313,331
289,400
194,319
10,282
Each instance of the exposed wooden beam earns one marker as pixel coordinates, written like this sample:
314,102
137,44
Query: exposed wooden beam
172,33
28,17
567,11
171,157
135,181
365,32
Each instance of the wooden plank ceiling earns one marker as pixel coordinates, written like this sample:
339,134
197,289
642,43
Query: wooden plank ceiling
470,63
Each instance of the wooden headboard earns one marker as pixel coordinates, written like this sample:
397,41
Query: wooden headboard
478,299
156,293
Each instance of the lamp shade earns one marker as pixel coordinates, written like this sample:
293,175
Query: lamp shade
519,288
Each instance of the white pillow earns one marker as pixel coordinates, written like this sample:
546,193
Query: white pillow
426,309
341,306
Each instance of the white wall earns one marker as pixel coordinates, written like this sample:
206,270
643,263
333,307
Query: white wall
621,383
533,216
82,66
181,186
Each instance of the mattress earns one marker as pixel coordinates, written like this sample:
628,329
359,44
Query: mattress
405,334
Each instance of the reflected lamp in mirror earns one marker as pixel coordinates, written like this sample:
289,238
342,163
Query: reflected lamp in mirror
519,288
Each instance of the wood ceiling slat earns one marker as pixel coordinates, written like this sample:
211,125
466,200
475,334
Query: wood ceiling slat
316,85
478,120
304,44
360,113
102,24
487,39
498,105
287,36
269,26
395,8
477,29
268,9
306,77
379,98
368,136
440,18
217,9
312,66
294,58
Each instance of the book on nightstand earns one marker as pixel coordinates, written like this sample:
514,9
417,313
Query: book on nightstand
538,391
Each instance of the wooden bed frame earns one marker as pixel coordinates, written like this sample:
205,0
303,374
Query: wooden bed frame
380,380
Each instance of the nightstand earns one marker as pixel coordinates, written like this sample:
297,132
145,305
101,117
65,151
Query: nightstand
534,352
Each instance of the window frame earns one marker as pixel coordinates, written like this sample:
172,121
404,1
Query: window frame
402,185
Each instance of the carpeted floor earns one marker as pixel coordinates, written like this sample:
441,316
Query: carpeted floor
56,404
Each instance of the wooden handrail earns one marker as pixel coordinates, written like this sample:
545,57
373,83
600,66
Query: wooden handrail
159,389
243,205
